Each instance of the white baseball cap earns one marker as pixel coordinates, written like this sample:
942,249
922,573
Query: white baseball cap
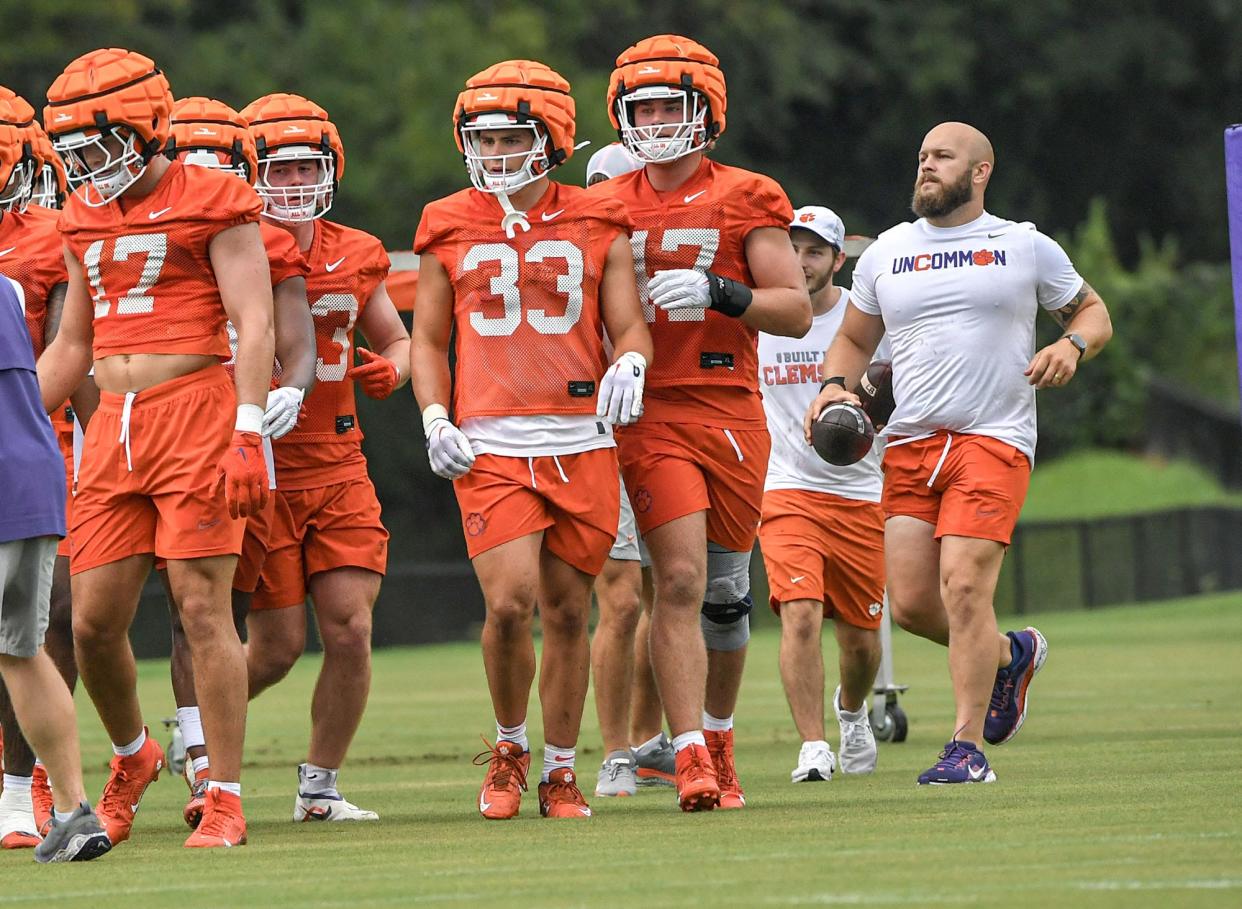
612,161
823,222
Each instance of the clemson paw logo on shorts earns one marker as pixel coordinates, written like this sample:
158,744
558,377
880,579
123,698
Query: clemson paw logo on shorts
642,499
475,523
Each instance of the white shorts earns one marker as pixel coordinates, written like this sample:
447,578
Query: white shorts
625,549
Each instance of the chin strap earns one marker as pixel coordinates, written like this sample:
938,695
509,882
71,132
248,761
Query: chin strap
513,218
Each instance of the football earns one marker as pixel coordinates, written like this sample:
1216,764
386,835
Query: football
875,391
843,434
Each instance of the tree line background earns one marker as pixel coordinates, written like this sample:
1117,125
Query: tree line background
1106,116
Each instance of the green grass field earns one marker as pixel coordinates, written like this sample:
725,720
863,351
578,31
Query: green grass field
1122,790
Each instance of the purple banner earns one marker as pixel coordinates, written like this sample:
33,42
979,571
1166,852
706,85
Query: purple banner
1233,191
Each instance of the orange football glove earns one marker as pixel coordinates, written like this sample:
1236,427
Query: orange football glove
243,473
378,375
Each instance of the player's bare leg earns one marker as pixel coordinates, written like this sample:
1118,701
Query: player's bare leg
275,638
646,711
58,641
343,599
203,589
858,657
618,591
802,665
724,681
969,569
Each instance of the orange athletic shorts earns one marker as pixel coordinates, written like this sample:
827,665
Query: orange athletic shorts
314,530
170,502
675,469
64,438
575,499
255,545
818,546
965,485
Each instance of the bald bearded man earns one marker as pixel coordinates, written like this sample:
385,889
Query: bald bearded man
957,292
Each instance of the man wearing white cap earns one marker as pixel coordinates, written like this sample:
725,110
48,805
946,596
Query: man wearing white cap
822,530
612,160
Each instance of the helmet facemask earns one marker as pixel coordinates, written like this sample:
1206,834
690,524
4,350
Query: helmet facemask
297,204
664,142
518,169
118,171
45,190
15,195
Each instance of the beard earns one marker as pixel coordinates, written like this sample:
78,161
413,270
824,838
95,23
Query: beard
936,205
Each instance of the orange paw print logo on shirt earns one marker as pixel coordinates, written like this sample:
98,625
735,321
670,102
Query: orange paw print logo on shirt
984,257
475,523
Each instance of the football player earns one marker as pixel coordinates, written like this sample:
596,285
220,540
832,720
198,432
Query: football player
159,257
957,292
528,273
822,532
209,133
327,538
30,253
714,266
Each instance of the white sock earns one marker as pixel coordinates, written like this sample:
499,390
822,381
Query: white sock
554,759
716,724
515,734
16,784
198,765
651,744
686,739
191,723
234,788
62,816
319,780
133,747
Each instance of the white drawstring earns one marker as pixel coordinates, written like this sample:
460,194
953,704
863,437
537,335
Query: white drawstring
944,454
270,457
559,469
733,442
530,462
124,436
78,437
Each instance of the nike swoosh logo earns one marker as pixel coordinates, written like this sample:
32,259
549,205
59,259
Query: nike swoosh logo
994,236
800,577
976,773
133,808
691,198
207,525
585,812
562,760
5,252
548,216
333,266
484,806
155,214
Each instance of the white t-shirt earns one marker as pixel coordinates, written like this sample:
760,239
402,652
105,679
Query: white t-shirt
789,381
537,435
959,307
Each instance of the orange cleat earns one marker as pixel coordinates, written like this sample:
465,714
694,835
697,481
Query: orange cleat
697,789
223,824
720,747
129,779
193,812
41,795
507,765
560,796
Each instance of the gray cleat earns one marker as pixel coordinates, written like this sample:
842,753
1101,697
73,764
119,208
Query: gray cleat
79,839
617,775
657,764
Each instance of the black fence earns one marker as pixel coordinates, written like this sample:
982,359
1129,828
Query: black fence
1181,425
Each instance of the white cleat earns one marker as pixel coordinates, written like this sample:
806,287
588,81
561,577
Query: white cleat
858,751
814,763
322,806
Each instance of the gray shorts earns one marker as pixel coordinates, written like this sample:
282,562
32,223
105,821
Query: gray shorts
25,594
625,549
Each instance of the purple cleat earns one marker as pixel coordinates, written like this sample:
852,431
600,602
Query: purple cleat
1007,709
960,762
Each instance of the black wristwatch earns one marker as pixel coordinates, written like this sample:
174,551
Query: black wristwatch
832,380
1077,341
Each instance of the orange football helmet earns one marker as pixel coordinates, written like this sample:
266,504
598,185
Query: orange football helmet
515,94
291,129
211,134
108,115
16,165
668,67
51,182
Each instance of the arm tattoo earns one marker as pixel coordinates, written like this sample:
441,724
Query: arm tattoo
1067,312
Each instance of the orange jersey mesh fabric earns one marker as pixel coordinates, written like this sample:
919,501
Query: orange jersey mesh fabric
346,266
284,261
31,254
526,310
147,263
703,225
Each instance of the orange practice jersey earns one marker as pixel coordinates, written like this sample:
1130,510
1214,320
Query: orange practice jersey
346,266
702,225
31,254
284,261
148,266
526,311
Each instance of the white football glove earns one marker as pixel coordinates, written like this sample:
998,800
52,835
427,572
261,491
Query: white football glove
679,288
621,389
281,413
448,449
